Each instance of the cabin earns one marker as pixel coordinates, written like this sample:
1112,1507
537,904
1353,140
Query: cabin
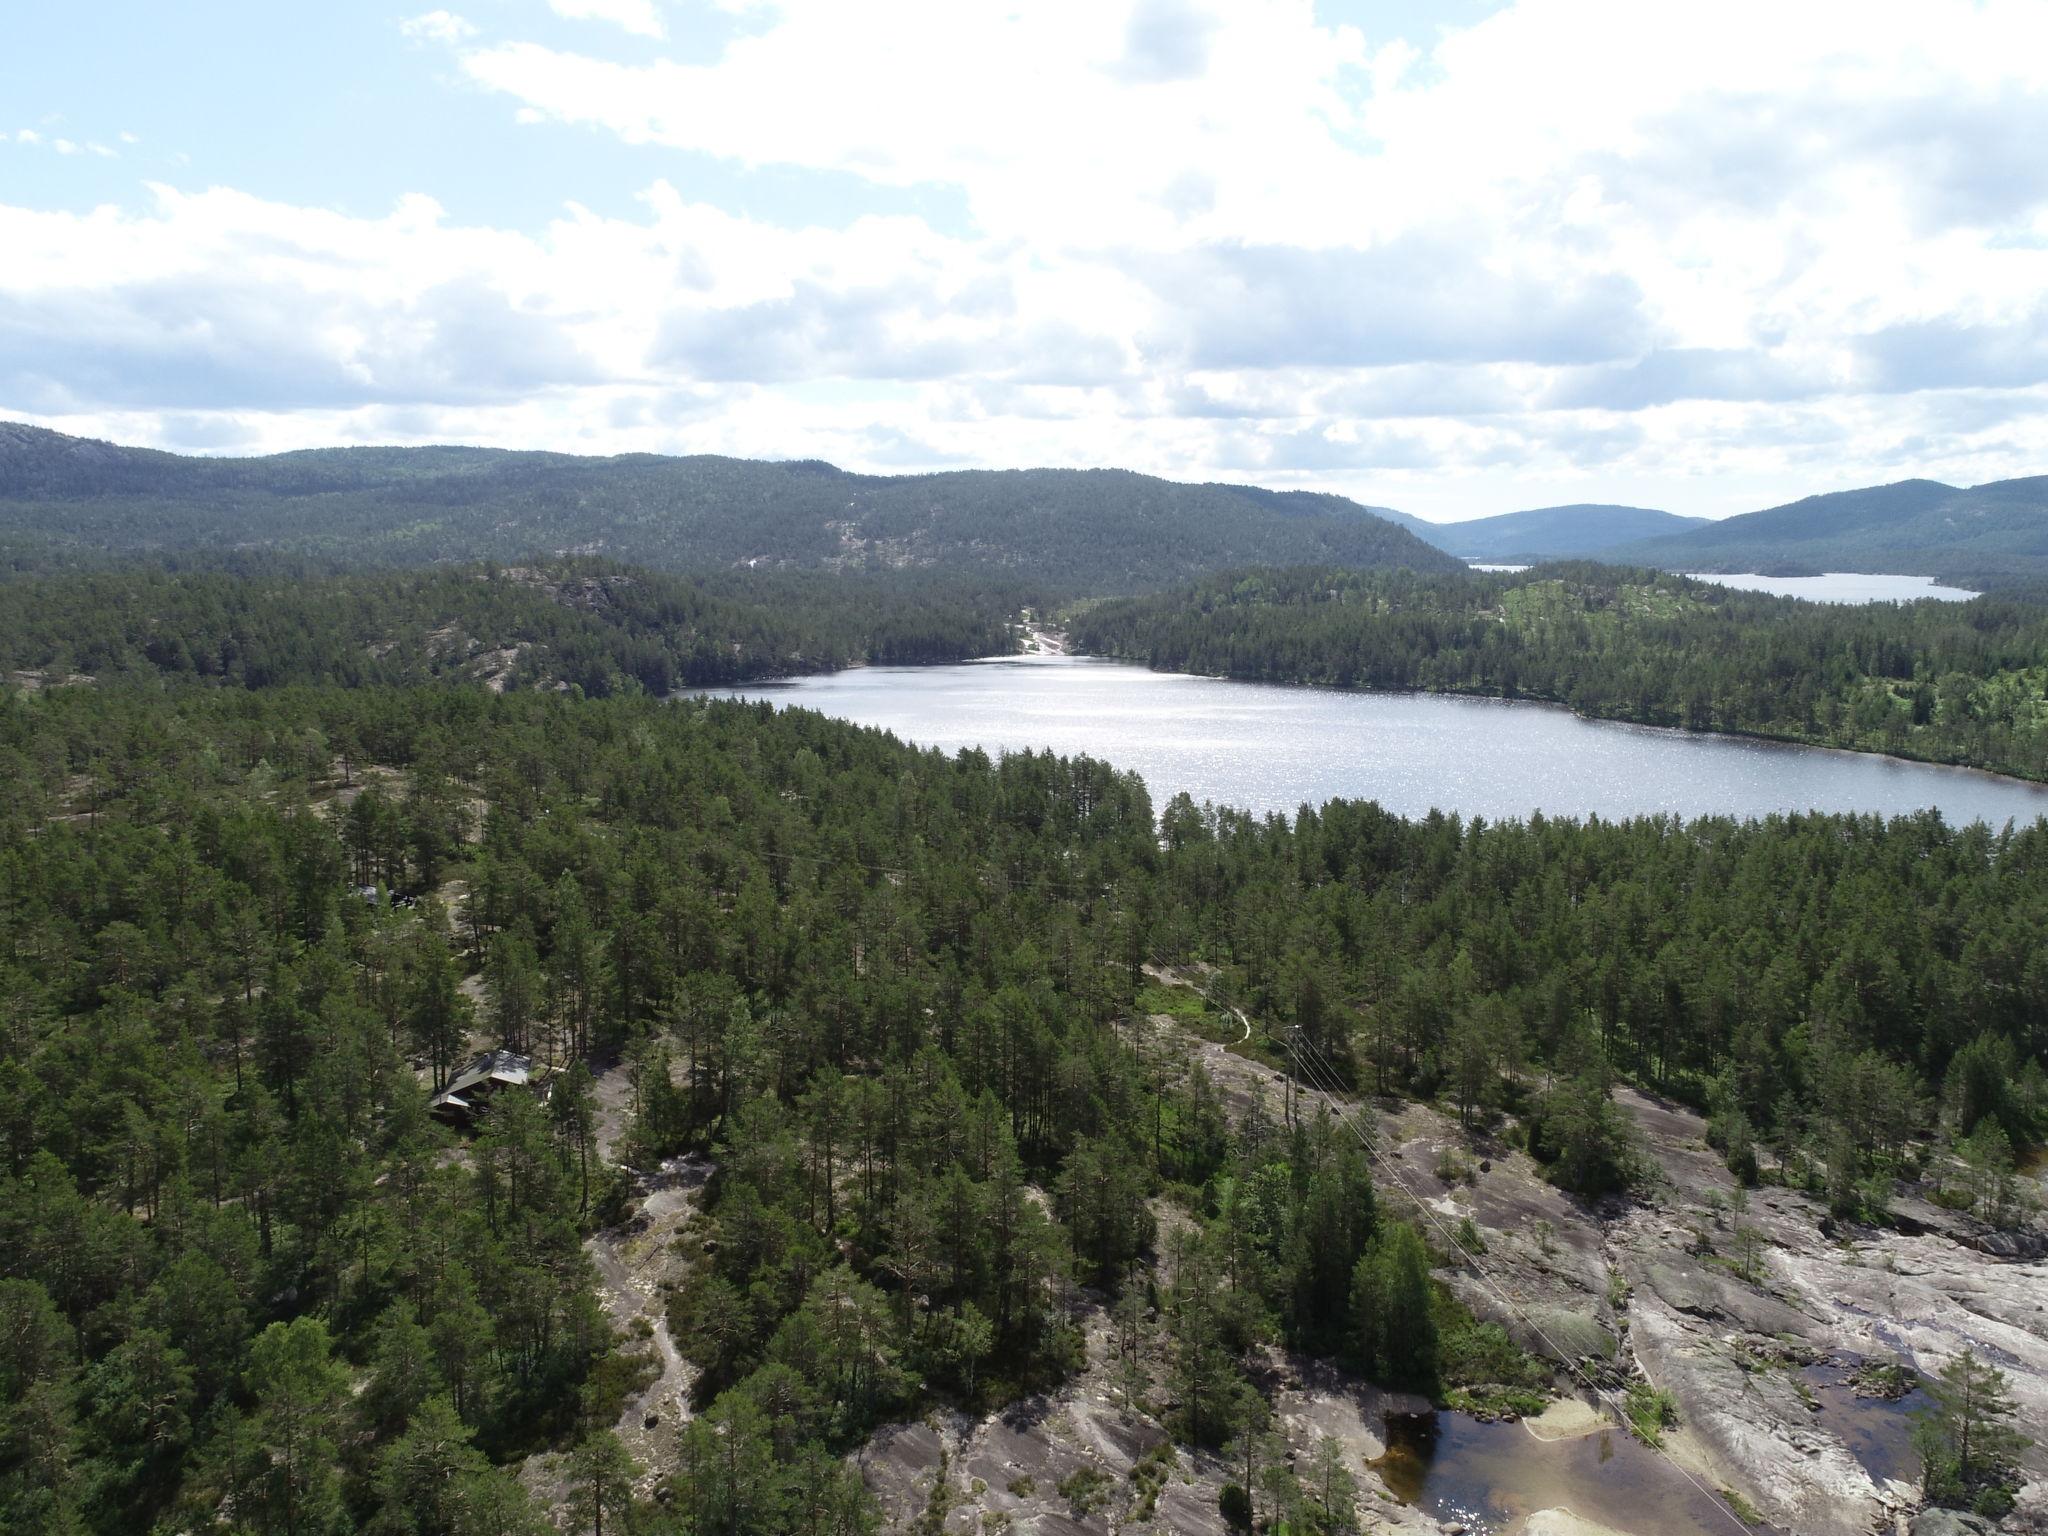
471,1090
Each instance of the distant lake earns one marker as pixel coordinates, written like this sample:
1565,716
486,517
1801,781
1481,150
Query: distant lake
1266,747
1834,587
1843,587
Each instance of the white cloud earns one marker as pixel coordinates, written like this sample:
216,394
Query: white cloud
65,146
640,17
1581,249
438,27
1037,112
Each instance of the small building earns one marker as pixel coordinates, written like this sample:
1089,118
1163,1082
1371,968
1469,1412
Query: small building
472,1089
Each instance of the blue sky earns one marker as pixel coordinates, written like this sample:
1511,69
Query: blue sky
335,107
1457,257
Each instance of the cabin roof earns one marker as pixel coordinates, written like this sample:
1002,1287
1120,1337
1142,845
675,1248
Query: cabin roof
496,1068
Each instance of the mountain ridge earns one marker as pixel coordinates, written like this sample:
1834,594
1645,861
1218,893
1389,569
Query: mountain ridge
1989,534
1098,529
1576,530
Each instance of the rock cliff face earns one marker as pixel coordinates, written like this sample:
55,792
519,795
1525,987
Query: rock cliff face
1726,1322
1672,1289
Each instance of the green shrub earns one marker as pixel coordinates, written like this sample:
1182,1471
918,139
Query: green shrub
1651,1411
1085,1489
1236,1507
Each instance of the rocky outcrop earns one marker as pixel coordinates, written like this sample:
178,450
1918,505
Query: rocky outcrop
1948,1522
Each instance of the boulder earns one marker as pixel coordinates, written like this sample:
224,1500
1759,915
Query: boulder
1950,1522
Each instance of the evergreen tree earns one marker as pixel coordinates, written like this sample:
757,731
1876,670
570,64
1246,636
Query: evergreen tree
299,1390
1393,1307
601,1478
1966,1441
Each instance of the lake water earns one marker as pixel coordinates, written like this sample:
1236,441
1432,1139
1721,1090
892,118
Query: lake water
1491,1477
1270,748
1877,1431
1843,587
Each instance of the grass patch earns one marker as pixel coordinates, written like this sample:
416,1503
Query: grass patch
1617,1290
1496,1402
1745,1511
1190,1010
1150,1476
1085,1490
1481,1369
1175,1001
1651,1411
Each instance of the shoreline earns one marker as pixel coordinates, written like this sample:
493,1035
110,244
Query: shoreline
782,686
1762,738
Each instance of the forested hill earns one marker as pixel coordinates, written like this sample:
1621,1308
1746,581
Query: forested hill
1085,530
263,621
1990,535
1577,531
249,1283
1955,683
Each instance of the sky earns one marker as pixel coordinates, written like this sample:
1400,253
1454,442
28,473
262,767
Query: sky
1452,256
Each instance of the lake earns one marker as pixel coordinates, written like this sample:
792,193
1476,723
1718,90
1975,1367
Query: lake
1833,587
1266,747
1842,587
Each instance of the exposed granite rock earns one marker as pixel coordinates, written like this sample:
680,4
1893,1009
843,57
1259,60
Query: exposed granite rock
1949,1522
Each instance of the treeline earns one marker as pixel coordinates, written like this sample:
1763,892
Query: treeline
1947,682
259,622
1831,987
249,1285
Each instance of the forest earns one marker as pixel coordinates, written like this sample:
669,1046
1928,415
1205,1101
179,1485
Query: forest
67,499
250,1284
1963,683
261,621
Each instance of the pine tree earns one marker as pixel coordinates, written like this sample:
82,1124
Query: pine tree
299,1390
1966,1439
1331,1485
1393,1308
601,1478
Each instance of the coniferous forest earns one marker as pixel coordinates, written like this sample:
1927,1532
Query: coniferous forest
642,894
895,999
258,621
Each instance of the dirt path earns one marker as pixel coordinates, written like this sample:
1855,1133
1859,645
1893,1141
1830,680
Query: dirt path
636,1265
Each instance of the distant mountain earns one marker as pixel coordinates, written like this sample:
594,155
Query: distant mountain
1093,531
1990,535
1575,532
